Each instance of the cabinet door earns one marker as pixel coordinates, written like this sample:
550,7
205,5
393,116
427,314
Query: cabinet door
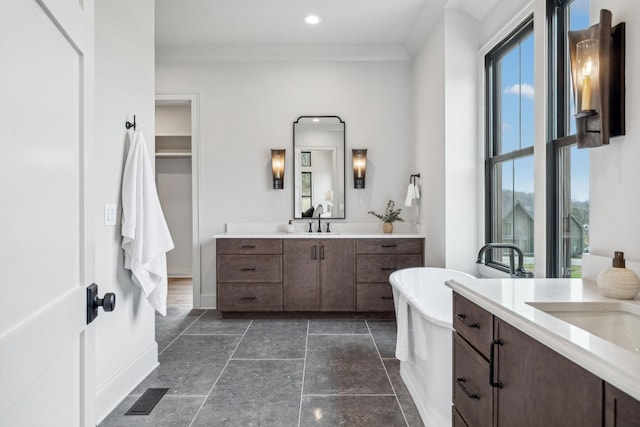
338,275
541,387
620,409
301,276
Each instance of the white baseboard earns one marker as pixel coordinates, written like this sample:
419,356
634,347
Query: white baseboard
208,301
113,391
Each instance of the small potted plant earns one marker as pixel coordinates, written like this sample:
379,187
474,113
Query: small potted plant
389,216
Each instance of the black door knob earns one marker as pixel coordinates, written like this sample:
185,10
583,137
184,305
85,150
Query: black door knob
108,303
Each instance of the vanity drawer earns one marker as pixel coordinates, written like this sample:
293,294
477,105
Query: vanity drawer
248,246
389,246
374,297
250,297
250,268
377,268
473,323
472,393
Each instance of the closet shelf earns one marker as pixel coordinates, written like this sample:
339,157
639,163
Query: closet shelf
170,134
173,154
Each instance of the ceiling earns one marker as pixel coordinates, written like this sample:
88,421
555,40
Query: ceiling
223,25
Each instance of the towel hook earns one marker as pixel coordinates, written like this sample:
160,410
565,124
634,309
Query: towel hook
130,125
412,178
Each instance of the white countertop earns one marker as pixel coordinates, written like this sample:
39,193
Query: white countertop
314,235
509,300
339,230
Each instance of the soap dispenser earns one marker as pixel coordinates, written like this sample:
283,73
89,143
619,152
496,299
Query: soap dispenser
290,227
617,281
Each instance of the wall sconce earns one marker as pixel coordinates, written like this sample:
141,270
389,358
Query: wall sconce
359,167
597,70
277,168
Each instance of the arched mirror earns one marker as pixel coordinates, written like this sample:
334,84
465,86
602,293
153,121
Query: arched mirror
318,167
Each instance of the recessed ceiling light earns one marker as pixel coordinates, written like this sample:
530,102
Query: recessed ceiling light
312,19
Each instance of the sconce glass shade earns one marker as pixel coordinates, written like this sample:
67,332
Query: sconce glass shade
588,72
598,74
277,168
359,167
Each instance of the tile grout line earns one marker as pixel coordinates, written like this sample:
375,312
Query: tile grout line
342,334
304,368
388,377
352,395
267,359
177,336
220,375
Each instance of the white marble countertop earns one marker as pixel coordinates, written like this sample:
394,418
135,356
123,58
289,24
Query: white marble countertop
339,230
509,299
314,235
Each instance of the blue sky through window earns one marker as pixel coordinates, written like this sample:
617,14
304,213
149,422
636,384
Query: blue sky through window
517,110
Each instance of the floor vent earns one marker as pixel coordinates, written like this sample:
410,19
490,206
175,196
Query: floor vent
145,404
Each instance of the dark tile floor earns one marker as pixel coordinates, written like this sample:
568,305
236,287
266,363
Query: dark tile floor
273,373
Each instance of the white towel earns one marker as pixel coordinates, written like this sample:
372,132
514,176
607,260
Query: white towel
416,191
402,324
409,198
145,235
413,193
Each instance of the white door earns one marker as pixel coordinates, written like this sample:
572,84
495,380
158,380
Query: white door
46,245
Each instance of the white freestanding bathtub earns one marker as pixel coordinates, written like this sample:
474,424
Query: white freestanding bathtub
423,305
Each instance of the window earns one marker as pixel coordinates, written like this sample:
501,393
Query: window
568,192
306,193
305,158
509,166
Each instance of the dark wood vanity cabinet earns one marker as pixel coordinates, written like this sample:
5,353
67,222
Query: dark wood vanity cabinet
376,259
249,274
311,274
620,409
319,275
503,377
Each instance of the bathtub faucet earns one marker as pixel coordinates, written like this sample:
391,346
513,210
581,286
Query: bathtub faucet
520,271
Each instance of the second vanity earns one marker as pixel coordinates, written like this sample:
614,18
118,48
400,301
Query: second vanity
311,271
543,352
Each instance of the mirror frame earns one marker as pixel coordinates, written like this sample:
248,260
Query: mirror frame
344,165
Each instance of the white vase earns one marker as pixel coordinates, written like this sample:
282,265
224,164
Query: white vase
617,281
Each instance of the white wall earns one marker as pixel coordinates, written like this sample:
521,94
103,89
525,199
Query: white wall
125,347
615,175
429,117
461,140
445,76
247,108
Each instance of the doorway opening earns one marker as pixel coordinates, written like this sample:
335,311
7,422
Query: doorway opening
176,158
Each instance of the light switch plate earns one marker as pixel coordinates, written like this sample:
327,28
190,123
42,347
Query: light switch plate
110,214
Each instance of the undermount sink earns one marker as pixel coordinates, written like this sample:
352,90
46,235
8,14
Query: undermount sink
616,321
